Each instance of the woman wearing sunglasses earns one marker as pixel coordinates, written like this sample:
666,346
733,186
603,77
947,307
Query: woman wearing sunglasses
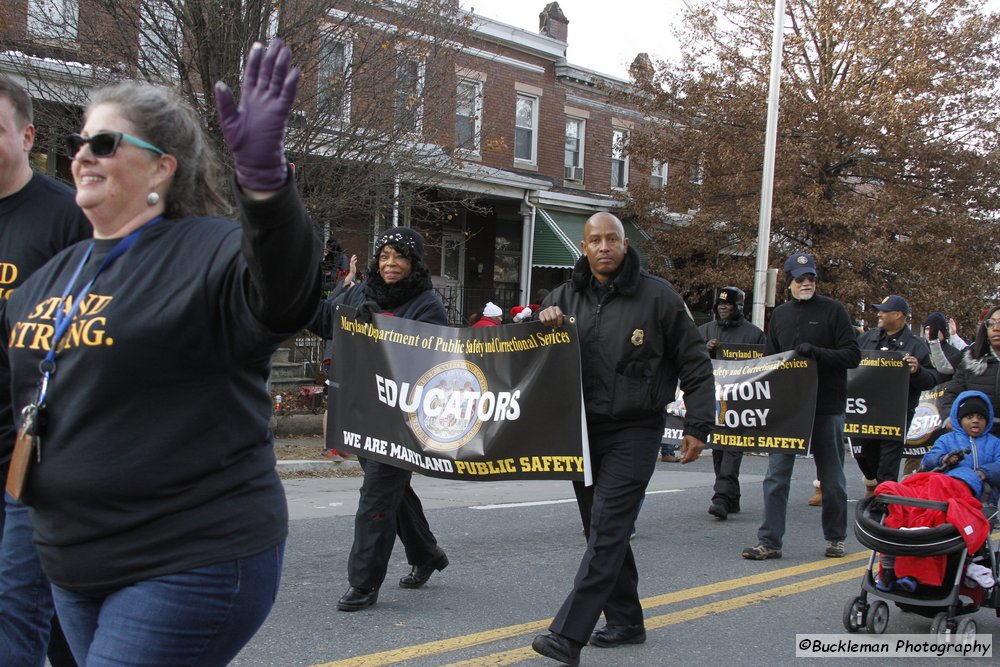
139,366
980,367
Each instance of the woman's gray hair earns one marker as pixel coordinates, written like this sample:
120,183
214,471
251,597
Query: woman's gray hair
161,117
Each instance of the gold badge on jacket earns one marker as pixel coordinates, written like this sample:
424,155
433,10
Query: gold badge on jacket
638,337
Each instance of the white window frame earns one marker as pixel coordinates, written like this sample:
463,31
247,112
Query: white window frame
331,37
418,119
533,100
619,153
581,139
473,147
660,171
53,19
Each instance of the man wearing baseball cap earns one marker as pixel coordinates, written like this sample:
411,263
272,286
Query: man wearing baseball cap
818,328
879,459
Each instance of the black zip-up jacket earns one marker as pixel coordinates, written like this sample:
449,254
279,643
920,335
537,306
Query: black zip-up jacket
981,374
924,378
735,330
824,324
637,340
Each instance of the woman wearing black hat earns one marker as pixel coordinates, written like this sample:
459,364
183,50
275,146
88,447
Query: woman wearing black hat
398,283
980,367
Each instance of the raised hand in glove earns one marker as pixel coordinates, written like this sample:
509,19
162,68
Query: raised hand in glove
255,130
805,350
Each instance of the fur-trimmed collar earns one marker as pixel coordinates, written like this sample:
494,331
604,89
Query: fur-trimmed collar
977,366
626,281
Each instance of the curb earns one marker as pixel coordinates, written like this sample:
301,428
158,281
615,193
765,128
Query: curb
311,465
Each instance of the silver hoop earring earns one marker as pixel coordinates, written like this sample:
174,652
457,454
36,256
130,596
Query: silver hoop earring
152,199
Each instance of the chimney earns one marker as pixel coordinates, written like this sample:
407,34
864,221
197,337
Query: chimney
553,23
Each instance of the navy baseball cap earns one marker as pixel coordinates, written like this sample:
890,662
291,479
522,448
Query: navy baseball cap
799,264
893,302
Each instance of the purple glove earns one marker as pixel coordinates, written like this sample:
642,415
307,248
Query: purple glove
255,131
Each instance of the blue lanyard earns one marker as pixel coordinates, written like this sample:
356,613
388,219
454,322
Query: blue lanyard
63,319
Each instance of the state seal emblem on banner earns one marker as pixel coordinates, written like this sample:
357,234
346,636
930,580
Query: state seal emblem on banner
448,420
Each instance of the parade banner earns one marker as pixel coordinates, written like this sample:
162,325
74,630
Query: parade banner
761,405
876,396
738,351
486,403
926,425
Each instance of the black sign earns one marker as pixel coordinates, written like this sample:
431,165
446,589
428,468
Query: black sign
926,425
486,403
876,396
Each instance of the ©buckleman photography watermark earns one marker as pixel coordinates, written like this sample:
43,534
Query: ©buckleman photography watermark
892,646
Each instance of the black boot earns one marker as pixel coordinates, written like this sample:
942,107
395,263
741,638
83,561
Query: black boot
356,599
419,575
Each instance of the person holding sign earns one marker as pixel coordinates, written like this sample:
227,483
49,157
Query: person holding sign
398,283
163,532
879,459
819,328
638,339
729,326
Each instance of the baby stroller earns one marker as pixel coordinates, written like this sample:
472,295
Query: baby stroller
951,603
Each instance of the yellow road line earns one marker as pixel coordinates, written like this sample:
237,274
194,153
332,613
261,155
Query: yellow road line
454,643
522,654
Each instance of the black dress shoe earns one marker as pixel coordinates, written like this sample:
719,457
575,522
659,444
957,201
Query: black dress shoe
718,511
421,573
356,599
557,647
616,635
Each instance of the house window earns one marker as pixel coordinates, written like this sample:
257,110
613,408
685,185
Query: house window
658,179
468,114
53,19
159,40
619,158
526,128
573,160
334,83
409,93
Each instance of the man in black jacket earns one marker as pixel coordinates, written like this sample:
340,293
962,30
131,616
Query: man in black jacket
729,326
879,459
816,327
638,340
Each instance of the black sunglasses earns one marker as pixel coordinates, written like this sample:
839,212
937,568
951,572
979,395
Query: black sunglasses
811,277
105,144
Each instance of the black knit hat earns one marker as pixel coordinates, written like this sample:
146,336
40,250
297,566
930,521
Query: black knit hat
734,296
973,405
405,240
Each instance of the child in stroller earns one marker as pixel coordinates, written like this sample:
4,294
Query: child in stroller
923,570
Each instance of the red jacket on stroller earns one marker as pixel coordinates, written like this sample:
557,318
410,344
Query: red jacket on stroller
964,512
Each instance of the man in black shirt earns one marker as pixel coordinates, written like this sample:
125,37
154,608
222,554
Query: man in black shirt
729,326
638,339
38,218
816,327
879,459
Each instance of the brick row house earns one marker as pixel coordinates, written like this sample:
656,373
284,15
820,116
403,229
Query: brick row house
509,147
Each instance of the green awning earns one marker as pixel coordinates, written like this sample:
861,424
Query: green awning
558,235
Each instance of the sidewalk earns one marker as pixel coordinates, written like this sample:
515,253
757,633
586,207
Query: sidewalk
310,458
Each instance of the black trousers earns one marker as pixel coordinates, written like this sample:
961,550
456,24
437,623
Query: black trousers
607,579
727,464
879,459
388,507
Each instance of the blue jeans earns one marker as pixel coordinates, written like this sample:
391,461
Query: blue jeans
201,617
828,453
25,597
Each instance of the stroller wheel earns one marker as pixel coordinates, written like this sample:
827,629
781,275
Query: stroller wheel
878,617
854,614
939,625
967,629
